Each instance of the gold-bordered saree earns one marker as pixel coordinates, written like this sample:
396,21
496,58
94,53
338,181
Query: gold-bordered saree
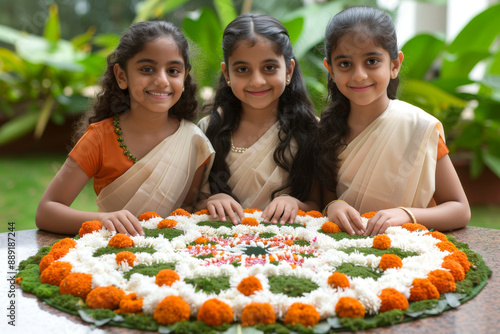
392,162
160,180
254,173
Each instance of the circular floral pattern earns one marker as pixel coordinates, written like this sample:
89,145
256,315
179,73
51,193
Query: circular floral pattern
191,267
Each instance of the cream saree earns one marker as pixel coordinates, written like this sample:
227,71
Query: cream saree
254,174
161,180
392,162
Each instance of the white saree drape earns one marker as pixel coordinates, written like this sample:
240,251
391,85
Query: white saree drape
254,173
392,162
160,181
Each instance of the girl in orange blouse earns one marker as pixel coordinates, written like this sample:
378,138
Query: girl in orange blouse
140,144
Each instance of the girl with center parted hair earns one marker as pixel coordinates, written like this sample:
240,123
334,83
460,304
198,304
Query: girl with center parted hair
376,153
261,125
140,144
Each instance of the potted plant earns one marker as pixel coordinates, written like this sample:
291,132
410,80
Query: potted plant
438,77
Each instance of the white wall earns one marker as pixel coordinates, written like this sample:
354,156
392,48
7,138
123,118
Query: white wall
416,17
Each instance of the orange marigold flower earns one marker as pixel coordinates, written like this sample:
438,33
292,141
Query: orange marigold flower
62,247
251,211
214,312
390,261
18,280
250,221
108,297
305,314
55,273
423,289
180,212
339,281
120,240
59,253
348,307
148,215
46,261
414,227
446,246
301,213
249,285
461,258
171,310
381,241
456,270
126,256
368,215
89,227
330,227
314,214
201,240
167,223
443,280
437,235
201,212
392,299
64,243
76,284
130,304
257,313
166,277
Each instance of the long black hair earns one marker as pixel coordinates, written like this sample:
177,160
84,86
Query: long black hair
112,100
333,129
296,115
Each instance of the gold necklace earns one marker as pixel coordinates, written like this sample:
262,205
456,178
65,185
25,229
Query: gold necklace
237,149
119,131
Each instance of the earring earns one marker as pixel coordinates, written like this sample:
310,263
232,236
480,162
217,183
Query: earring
229,82
288,80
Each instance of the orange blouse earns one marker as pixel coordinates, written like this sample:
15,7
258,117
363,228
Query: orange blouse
99,155
442,148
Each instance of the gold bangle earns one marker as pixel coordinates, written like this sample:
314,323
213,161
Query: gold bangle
409,213
326,207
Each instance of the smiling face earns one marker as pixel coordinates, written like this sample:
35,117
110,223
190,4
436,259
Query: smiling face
362,71
154,77
257,75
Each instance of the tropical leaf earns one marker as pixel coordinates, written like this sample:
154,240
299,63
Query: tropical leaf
420,53
17,127
316,18
52,31
206,31
226,11
478,34
156,8
9,35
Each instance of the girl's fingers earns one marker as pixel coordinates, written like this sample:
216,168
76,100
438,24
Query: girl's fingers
212,210
268,211
370,226
136,225
288,215
108,224
238,209
230,213
346,225
119,227
220,211
355,222
280,208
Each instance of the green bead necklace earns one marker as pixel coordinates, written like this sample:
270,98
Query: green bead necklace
118,131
